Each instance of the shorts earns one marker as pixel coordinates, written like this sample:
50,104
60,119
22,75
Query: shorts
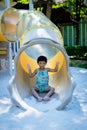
42,88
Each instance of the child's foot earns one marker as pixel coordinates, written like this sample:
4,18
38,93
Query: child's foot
39,99
46,98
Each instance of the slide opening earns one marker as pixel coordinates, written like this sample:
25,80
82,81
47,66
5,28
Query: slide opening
29,54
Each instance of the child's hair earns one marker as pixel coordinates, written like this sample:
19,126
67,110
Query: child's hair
41,58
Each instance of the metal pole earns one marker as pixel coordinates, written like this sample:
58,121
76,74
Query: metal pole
7,3
31,5
10,59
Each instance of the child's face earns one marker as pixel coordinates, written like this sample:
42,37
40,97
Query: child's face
42,64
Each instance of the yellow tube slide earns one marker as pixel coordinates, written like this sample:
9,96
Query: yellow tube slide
38,36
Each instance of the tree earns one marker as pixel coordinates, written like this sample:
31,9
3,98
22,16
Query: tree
79,10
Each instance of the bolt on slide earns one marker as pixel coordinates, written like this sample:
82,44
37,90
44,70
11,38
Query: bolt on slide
38,36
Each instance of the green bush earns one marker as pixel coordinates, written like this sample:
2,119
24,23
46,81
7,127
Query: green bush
78,63
77,52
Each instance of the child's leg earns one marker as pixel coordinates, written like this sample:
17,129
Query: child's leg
35,94
50,92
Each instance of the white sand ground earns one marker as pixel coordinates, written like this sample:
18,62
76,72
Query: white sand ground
46,117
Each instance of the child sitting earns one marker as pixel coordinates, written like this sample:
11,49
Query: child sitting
42,79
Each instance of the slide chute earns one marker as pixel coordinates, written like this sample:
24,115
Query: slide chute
38,36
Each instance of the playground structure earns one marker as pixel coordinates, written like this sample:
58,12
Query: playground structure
5,54
7,51
38,36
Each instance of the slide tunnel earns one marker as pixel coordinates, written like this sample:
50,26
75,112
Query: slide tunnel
38,36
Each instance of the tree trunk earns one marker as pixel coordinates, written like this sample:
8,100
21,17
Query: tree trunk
77,19
49,8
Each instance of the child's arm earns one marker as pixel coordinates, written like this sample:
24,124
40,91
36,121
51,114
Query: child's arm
55,69
31,74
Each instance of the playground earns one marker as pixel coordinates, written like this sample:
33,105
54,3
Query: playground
32,34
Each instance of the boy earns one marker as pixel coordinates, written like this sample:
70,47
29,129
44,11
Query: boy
42,78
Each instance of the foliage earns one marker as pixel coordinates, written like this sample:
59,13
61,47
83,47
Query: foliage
78,7
73,6
77,52
78,63
23,1
78,56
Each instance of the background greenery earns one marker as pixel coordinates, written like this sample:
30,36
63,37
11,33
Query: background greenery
77,52
78,56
